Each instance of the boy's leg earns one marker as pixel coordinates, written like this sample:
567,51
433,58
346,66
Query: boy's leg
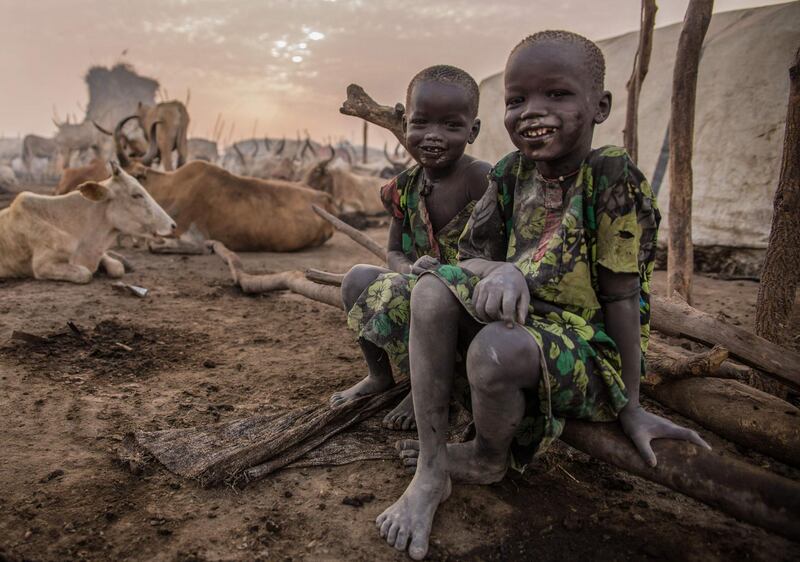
435,315
501,362
379,375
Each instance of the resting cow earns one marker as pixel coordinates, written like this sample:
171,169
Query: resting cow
352,193
66,237
245,214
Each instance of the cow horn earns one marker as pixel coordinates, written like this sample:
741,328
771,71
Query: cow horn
281,146
255,150
267,143
311,147
152,149
124,161
325,163
101,129
389,158
238,152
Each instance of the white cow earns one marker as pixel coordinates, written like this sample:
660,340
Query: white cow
66,237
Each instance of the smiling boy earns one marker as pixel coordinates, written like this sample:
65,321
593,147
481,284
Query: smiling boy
553,284
429,204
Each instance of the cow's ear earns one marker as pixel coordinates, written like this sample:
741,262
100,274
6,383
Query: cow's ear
93,191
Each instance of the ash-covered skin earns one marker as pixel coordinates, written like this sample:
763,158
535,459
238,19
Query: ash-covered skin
440,121
552,106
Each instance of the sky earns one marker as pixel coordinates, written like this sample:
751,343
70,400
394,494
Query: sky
275,67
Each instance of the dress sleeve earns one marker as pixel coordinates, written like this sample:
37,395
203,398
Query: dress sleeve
390,196
626,214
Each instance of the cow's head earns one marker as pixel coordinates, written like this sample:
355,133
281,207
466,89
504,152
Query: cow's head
319,176
130,209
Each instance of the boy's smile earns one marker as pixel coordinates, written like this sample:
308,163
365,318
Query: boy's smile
552,105
439,123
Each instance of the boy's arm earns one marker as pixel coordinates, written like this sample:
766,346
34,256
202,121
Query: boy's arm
395,258
619,293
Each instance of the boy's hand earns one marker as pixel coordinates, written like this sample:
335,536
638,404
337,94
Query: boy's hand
424,264
502,295
642,427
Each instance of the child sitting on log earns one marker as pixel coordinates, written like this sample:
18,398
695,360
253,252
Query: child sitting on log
429,204
552,291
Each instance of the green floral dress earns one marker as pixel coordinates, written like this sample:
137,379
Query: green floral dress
381,314
557,236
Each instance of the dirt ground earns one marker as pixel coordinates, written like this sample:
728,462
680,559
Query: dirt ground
196,351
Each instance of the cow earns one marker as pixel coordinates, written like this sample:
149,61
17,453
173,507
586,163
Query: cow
352,193
171,136
34,146
8,180
67,237
71,178
202,149
80,137
134,140
245,214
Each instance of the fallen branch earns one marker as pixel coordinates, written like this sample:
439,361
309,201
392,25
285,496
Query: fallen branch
676,317
360,104
737,412
325,277
737,488
665,362
355,235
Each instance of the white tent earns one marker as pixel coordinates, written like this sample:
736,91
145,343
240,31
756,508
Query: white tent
742,95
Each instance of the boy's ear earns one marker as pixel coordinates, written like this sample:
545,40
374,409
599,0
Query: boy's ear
93,191
603,108
473,132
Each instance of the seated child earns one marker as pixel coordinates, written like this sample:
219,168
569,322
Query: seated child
429,204
553,288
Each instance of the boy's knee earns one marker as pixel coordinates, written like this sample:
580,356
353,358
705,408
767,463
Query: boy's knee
431,297
355,281
499,356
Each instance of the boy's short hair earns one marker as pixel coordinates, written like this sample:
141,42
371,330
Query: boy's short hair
446,74
594,56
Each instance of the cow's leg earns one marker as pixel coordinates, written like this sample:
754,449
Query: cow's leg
48,266
165,152
114,268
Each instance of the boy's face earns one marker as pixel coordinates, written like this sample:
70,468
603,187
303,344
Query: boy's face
551,104
438,124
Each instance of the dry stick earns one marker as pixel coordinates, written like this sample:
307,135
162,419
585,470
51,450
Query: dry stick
641,63
288,280
780,275
357,236
742,490
360,104
666,362
676,317
680,257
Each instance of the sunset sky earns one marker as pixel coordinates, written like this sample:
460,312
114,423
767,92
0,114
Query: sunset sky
284,63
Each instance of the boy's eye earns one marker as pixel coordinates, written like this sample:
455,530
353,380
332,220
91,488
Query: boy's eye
513,101
453,124
417,121
559,93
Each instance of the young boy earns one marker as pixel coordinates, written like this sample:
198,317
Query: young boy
430,204
553,283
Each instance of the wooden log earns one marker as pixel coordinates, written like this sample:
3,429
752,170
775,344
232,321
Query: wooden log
676,317
780,275
641,64
360,104
680,257
666,362
324,277
737,412
355,235
737,488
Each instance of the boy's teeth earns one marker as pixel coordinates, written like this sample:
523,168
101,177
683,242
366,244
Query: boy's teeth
538,132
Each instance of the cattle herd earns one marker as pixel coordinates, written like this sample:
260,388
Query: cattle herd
145,178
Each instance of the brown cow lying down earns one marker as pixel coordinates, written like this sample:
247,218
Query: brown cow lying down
66,237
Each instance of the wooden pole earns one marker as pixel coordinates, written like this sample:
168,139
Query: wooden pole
781,273
641,63
355,235
680,259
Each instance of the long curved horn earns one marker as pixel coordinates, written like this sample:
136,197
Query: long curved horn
389,158
124,161
255,150
152,150
267,143
281,146
311,147
101,129
238,152
324,163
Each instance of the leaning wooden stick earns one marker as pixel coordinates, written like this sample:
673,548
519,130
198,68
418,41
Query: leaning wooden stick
354,234
325,277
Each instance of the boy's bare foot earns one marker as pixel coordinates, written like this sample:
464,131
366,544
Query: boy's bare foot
463,462
367,385
407,523
402,417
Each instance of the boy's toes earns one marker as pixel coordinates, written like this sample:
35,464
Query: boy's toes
391,536
386,527
408,423
406,445
401,542
380,519
419,546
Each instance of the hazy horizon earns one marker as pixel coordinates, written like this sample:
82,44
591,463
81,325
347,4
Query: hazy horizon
274,66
